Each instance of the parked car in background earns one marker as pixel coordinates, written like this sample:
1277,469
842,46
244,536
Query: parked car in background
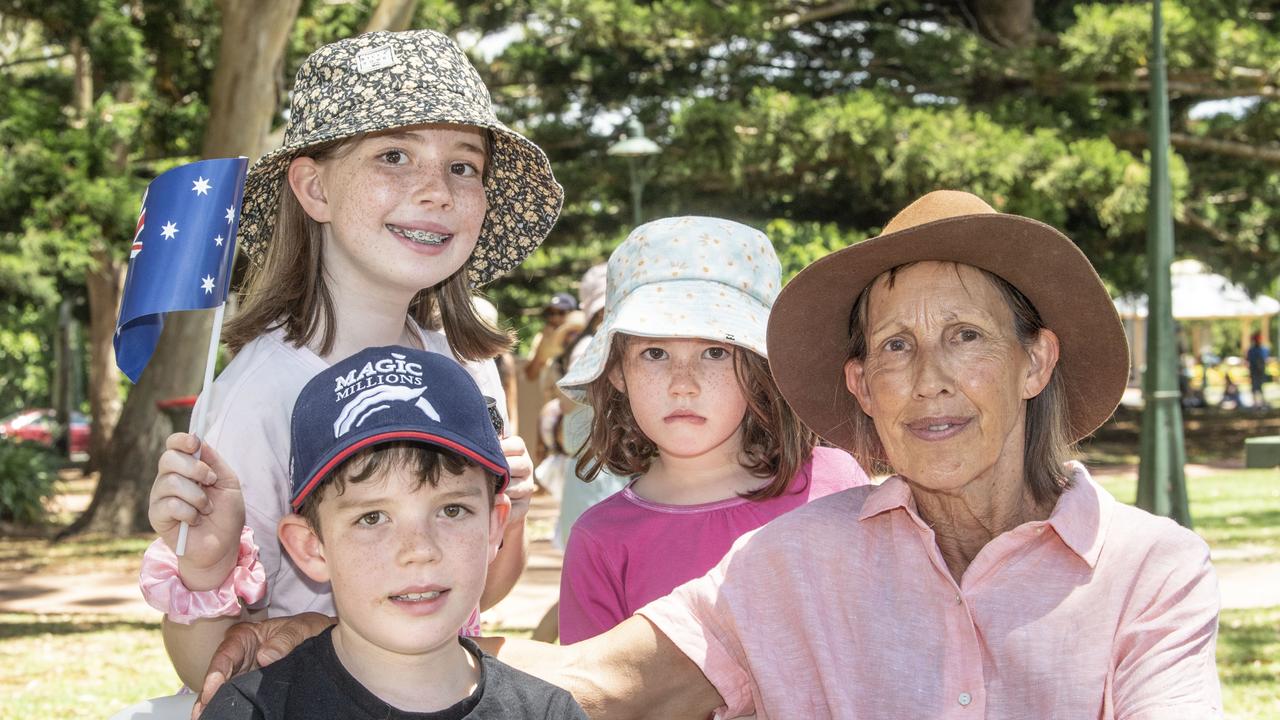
40,425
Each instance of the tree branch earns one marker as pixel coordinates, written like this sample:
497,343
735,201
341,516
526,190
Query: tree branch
1183,141
41,58
1187,87
795,19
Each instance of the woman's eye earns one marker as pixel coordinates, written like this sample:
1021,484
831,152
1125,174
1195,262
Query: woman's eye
465,169
717,353
969,335
395,157
895,345
370,519
454,511
653,354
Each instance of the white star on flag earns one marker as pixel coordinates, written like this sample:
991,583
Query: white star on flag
169,230
206,284
231,213
218,241
201,186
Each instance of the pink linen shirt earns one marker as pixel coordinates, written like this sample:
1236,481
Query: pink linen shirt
626,551
845,609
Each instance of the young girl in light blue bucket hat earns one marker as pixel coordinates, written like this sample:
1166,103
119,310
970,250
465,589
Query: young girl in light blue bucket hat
685,406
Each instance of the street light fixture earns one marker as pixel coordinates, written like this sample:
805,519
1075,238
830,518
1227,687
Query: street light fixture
635,147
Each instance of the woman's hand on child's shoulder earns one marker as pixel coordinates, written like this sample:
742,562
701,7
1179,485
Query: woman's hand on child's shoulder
193,485
248,646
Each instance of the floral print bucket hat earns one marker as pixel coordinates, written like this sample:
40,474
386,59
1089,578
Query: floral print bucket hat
383,80
684,277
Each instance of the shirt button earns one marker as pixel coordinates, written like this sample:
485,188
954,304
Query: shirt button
959,600
1039,529
965,699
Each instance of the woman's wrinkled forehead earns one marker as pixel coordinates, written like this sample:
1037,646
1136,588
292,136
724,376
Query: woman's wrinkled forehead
927,278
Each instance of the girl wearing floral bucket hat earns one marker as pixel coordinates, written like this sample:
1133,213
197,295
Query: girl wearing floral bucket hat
685,406
396,192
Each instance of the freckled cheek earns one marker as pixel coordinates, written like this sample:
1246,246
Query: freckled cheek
472,203
358,568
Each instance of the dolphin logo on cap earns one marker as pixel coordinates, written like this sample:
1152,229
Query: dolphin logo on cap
376,399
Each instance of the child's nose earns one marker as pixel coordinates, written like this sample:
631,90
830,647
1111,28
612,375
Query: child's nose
684,378
433,187
419,545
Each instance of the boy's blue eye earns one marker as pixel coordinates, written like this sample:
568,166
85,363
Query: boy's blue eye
395,157
653,353
717,353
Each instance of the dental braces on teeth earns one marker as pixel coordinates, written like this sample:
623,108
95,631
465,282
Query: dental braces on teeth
421,236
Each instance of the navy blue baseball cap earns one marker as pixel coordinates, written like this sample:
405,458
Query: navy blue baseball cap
389,394
562,301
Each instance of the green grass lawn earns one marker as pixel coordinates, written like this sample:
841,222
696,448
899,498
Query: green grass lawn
1236,511
89,666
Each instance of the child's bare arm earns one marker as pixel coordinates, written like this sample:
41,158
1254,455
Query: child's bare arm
190,647
507,567
204,493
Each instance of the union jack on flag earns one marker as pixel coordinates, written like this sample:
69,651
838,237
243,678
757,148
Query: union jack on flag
137,233
188,225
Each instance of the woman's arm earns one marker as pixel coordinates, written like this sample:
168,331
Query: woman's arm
1165,652
632,671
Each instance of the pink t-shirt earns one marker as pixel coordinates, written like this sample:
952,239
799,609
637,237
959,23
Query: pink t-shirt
845,609
627,551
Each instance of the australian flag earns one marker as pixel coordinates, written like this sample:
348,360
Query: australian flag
181,253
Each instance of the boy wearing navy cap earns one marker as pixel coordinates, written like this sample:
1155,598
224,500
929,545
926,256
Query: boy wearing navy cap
397,480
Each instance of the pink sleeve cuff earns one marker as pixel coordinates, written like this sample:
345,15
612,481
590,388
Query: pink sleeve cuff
163,589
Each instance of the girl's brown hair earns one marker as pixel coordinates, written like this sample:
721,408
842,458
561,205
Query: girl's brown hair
775,444
289,290
1047,440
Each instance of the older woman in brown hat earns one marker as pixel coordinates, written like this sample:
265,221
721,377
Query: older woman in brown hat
965,350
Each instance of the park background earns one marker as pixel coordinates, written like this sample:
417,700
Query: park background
814,121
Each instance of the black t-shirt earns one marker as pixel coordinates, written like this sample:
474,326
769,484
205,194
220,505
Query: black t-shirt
310,682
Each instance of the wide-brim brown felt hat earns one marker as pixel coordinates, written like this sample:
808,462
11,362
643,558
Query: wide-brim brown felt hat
384,80
809,328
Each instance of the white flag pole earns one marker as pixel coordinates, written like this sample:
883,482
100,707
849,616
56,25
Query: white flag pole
201,409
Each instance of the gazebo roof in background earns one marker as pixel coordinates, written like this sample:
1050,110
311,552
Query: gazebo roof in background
1199,294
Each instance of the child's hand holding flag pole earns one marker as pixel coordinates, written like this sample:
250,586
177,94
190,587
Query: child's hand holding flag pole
181,259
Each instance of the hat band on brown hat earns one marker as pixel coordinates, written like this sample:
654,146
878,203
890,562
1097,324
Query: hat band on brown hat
808,336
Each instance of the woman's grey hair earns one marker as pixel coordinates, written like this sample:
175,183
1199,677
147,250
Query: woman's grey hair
1047,444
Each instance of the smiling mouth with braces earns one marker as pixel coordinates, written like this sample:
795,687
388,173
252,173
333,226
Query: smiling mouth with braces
422,237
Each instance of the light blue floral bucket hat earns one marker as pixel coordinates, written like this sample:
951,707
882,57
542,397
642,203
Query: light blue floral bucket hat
684,277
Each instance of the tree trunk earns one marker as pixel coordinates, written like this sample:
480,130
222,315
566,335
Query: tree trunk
104,284
1007,23
393,15
243,102
246,84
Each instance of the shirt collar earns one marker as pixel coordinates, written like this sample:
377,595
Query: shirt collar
1083,514
1080,517
891,494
